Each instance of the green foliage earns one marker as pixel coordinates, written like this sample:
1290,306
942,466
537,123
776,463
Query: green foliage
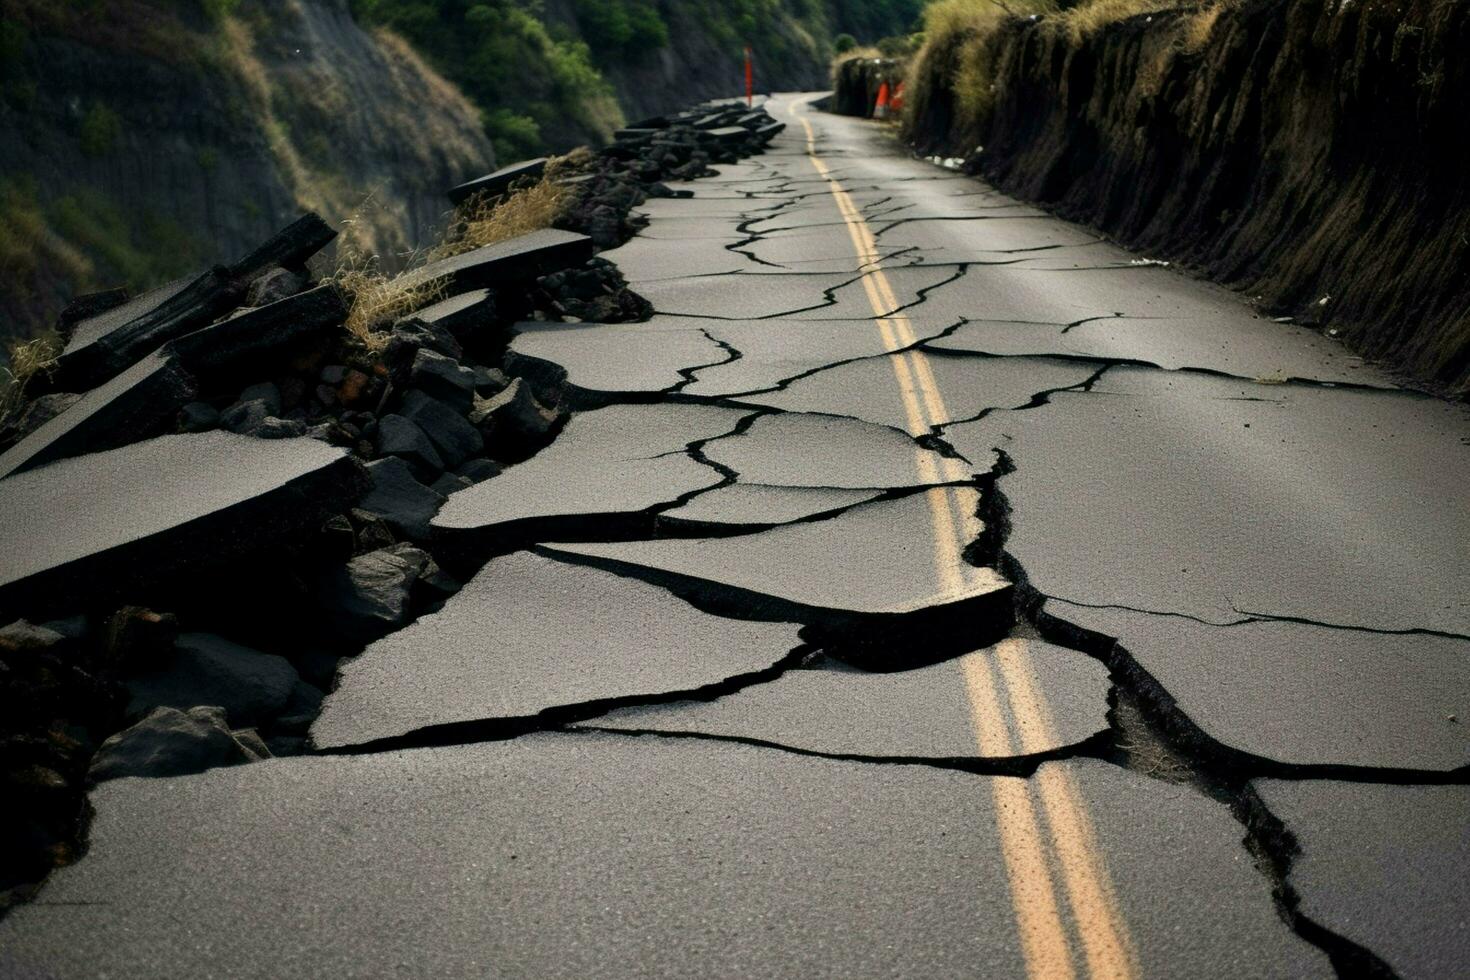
99,131
507,61
619,30
844,43
137,249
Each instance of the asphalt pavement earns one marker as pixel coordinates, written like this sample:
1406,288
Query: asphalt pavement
931,588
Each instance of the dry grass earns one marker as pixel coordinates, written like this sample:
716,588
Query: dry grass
1087,19
26,361
1199,26
378,299
528,209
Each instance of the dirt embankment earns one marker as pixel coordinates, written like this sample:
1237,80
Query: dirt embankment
1309,152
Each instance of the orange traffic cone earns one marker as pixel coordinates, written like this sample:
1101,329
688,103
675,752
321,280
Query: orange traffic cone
880,111
895,103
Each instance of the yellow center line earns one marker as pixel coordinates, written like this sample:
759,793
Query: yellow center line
1069,843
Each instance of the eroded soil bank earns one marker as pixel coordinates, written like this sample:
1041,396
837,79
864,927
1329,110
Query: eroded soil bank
1309,152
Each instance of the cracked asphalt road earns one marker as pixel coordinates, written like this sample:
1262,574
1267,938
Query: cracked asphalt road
929,589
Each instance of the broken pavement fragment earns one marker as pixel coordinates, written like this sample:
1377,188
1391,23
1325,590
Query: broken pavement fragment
1303,694
590,362
1221,499
81,532
506,263
529,635
601,855
927,712
600,477
493,185
1384,866
866,580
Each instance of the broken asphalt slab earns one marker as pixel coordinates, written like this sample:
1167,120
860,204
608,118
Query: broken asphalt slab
594,363
865,580
501,264
599,478
528,636
82,532
925,713
565,855
1220,499
1387,867
1303,694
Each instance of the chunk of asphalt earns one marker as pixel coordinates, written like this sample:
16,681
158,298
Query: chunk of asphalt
506,263
493,185
398,436
144,399
452,435
251,686
1159,467
400,499
1385,866
599,478
92,328
461,315
140,402
81,532
565,822
799,449
757,505
1300,693
442,378
170,742
529,635
593,361
867,580
929,712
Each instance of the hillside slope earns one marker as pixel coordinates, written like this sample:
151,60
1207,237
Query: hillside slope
124,124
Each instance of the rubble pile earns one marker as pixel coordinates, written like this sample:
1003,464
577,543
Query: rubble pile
219,490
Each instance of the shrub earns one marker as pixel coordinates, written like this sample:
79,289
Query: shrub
844,43
100,130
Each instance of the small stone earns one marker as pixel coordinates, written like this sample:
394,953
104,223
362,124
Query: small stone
333,374
369,596
198,417
72,628
451,482
454,437
207,669
245,417
22,637
293,393
372,531
403,502
489,381
274,285
300,711
338,537
479,470
274,428
264,392
513,418
251,741
358,390
398,436
412,335
170,742
442,378
327,395
139,639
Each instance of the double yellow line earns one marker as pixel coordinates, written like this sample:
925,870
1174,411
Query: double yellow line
1045,831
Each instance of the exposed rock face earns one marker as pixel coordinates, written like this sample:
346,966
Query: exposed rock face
1309,152
197,138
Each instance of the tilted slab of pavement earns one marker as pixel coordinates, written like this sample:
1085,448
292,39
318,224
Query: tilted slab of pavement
601,477
130,517
574,854
529,635
1387,867
927,712
867,579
